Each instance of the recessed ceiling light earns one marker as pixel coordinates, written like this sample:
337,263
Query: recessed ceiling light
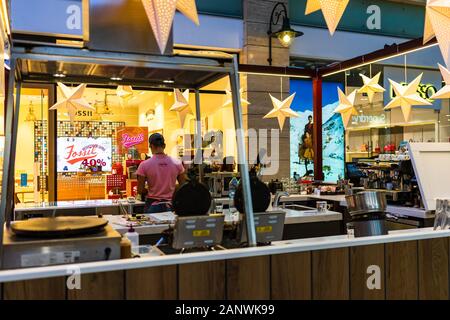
59,75
169,81
116,78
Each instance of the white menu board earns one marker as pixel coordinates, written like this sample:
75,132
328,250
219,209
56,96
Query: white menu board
74,153
431,166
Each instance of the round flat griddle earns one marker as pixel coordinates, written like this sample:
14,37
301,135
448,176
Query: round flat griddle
191,199
58,227
260,196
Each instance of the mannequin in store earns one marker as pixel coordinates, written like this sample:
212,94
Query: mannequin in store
161,173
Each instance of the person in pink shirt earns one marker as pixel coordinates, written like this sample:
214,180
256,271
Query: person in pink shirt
161,172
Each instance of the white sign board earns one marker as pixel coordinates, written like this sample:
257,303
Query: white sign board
74,153
431,166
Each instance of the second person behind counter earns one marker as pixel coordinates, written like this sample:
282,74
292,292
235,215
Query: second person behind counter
161,172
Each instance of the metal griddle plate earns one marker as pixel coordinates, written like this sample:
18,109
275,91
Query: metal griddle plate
58,227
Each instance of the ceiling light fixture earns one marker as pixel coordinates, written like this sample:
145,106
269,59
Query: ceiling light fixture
169,81
116,78
59,75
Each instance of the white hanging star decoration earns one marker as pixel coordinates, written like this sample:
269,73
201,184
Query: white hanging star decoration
332,10
229,100
444,93
181,105
437,23
406,97
72,101
346,106
161,13
124,93
282,110
189,9
371,86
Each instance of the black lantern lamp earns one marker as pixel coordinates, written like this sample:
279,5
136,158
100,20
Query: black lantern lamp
286,34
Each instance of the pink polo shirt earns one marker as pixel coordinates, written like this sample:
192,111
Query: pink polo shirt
161,172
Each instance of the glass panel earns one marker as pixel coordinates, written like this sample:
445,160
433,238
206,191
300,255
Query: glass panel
113,137
32,151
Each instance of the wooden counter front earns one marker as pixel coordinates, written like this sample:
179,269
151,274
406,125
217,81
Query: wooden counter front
407,270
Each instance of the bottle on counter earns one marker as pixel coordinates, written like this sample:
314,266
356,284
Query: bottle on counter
125,248
133,236
232,187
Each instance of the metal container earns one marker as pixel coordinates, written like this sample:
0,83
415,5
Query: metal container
366,202
369,228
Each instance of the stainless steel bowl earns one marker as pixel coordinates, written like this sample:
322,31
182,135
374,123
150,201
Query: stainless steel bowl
366,202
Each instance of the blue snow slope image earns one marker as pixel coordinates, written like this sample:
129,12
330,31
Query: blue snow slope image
332,132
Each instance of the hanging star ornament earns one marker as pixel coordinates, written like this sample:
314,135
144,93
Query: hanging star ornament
444,93
406,97
181,105
282,110
371,86
189,9
161,13
437,23
346,106
124,93
72,101
332,10
229,100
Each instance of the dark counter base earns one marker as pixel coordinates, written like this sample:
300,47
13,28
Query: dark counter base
409,270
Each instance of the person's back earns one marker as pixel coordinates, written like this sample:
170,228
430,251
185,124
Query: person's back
161,172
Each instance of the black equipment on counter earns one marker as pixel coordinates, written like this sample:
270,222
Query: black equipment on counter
191,199
275,186
260,196
58,227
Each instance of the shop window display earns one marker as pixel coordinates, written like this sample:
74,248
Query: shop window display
98,153
301,132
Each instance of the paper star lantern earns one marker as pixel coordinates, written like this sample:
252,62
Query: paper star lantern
444,93
371,86
332,10
437,23
346,106
161,13
124,93
282,110
406,97
181,105
229,100
72,101
189,9
312,6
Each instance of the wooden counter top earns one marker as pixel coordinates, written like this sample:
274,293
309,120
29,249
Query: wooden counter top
281,247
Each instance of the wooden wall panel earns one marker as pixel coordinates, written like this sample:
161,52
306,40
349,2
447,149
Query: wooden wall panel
291,276
248,278
361,258
158,283
100,286
330,274
433,269
202,281
41,289
401,271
